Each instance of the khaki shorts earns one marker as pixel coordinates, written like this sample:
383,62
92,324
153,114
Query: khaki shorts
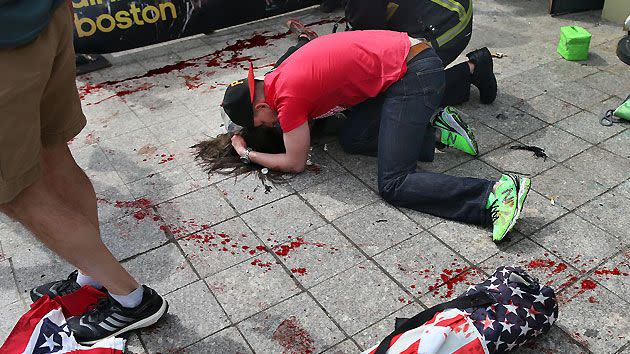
39,103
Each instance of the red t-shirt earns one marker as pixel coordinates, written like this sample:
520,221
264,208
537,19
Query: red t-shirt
334,72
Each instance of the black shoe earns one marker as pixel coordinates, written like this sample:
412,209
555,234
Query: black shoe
57,288
109,318
483,76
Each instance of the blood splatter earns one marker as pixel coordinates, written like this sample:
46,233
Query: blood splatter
210,60
192,81
588,284
540,263
293,337
91,138
138,203
258,262
283,250
449,281
606,271
122,93
559,268
139,215
299,271
580,289
166,159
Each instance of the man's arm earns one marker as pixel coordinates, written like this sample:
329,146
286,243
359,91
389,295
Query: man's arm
296,142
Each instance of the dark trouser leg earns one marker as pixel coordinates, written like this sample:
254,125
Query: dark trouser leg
301,41
359,133
408,106
457,89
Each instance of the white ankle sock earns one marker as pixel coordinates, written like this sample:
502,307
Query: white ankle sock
83,279
130,300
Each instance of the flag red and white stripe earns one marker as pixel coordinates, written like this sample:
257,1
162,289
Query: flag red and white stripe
450,331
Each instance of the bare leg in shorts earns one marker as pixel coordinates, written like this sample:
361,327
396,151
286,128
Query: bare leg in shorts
41,186
59,208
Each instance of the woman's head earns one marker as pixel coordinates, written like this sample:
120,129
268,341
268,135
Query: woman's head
218,155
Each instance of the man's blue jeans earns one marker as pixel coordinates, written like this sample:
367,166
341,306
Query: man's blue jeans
402,135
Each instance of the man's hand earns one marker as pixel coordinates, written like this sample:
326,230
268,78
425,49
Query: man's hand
296,142
239,144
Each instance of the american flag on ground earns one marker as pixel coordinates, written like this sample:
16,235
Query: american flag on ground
43,328
520,310
523,310
450,331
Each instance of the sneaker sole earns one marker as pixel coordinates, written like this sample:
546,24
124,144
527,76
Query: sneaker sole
145,322
462,129
523,191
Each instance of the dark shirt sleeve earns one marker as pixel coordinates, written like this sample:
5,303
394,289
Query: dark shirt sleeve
367,14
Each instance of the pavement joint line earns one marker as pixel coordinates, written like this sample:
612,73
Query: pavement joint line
570,264
370,259
294,279
20,294
623,348
599,145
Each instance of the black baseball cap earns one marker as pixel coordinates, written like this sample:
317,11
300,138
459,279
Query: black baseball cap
238,100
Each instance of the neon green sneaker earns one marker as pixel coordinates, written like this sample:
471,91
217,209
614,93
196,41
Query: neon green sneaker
506,203
454,132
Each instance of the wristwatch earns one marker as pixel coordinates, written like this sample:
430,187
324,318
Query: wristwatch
245,158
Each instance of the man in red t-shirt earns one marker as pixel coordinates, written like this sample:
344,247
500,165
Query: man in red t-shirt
342,70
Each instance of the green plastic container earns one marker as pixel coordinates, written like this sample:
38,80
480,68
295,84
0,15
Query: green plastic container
574,43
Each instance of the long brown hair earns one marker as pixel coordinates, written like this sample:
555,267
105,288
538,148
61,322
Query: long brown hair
217,155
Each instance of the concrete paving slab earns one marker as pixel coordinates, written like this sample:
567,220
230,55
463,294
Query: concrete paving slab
422,264
538,211
604,167
189,213
547,108
8,290
164,269
618,143
536,261
318,255
246,289
185,324
558,144
350,296
275,222
615,275
566,187
297,325
132,235
521,162
333,202
586,126
578,242
228,340
377,227
473,242
604,329
608,211
246,193
219,247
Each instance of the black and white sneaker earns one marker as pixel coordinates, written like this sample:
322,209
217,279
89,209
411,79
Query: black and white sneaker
110,319
57,288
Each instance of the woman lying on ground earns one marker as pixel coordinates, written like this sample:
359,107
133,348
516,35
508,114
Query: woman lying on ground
217,155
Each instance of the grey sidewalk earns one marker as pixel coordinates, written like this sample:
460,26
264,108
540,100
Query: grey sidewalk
321,264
